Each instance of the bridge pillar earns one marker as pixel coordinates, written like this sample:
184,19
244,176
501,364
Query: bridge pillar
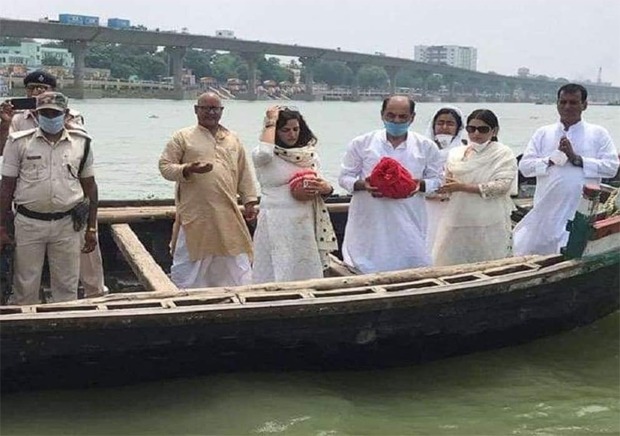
176,56
251,59
308,64
392,72
78,50
355,86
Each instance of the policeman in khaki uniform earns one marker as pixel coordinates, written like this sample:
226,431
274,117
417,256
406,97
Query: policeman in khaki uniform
38,82
41,175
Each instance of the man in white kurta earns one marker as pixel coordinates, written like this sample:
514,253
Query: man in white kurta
563,157
386,234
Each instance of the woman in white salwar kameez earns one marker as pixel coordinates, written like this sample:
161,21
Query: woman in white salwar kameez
294,233
480,178
446,130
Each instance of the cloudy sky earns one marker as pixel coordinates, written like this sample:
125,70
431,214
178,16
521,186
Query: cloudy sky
558,38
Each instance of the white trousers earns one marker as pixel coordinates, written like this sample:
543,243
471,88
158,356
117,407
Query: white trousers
209,272
33,238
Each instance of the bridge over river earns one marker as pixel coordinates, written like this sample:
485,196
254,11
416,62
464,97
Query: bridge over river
78,37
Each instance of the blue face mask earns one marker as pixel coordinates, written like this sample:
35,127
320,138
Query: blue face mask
52,125
396,129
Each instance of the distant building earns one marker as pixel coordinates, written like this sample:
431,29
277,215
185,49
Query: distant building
451,55
33,55
523,72
225,33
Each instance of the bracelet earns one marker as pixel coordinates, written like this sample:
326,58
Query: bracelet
92,229
268,125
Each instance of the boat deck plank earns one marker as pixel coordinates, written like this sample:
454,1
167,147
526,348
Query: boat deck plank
142,263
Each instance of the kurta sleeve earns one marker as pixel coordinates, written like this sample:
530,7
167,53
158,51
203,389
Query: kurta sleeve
605,163
262,154
246,186
432,174
495,188
171,161
533,163
351,167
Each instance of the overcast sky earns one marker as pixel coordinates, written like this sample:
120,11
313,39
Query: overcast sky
558,38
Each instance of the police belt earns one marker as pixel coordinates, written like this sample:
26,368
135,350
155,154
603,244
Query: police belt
42,216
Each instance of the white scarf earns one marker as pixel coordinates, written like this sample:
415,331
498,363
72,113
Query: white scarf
305,157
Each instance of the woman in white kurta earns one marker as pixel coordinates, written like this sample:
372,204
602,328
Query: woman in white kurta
446,130
294,233
480,178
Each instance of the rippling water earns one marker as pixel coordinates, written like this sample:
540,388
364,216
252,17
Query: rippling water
567,384
562,385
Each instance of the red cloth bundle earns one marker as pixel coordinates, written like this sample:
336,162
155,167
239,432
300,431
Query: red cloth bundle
392,179
296,182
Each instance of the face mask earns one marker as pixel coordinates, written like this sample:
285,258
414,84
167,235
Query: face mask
396,129
444,140
52,125
478,147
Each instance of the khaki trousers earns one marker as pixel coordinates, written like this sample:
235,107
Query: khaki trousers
33,238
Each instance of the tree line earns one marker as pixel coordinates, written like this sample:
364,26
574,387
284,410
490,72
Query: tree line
152,63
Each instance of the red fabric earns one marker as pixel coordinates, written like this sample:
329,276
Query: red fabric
296,182
392,179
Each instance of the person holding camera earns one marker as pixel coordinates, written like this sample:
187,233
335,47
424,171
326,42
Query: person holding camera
294,233
19,114
24,117
46,173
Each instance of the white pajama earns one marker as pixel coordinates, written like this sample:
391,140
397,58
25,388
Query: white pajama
209,272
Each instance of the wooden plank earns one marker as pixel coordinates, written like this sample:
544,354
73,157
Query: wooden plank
143,265
606,227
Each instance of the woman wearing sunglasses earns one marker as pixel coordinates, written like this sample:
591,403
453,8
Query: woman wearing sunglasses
446,130
480,177
294,232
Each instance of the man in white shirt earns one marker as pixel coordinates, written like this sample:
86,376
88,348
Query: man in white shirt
386,234
563,157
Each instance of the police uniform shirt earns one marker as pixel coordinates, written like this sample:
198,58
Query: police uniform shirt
47,174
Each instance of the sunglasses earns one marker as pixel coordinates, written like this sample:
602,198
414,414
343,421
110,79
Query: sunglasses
481,129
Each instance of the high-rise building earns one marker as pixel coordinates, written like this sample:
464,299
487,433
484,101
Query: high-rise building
452,55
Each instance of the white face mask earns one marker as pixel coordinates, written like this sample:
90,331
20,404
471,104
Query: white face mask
478,147
443,140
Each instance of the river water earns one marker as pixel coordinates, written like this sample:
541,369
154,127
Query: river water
567,384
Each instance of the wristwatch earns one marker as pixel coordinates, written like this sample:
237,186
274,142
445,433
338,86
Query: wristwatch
577,161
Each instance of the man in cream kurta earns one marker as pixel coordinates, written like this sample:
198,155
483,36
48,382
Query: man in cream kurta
213,246
386,234
564,157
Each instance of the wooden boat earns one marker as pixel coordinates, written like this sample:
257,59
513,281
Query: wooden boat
346,320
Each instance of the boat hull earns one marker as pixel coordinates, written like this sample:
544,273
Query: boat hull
382,325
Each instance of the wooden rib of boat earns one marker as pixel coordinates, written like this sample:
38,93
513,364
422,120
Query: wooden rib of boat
344,320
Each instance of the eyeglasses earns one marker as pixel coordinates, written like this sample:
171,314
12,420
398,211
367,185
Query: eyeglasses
289,108
481,129
38,86
214,109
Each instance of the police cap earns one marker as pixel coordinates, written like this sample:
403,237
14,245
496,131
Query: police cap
41,77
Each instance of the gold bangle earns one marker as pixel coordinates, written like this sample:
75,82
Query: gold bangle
92,229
